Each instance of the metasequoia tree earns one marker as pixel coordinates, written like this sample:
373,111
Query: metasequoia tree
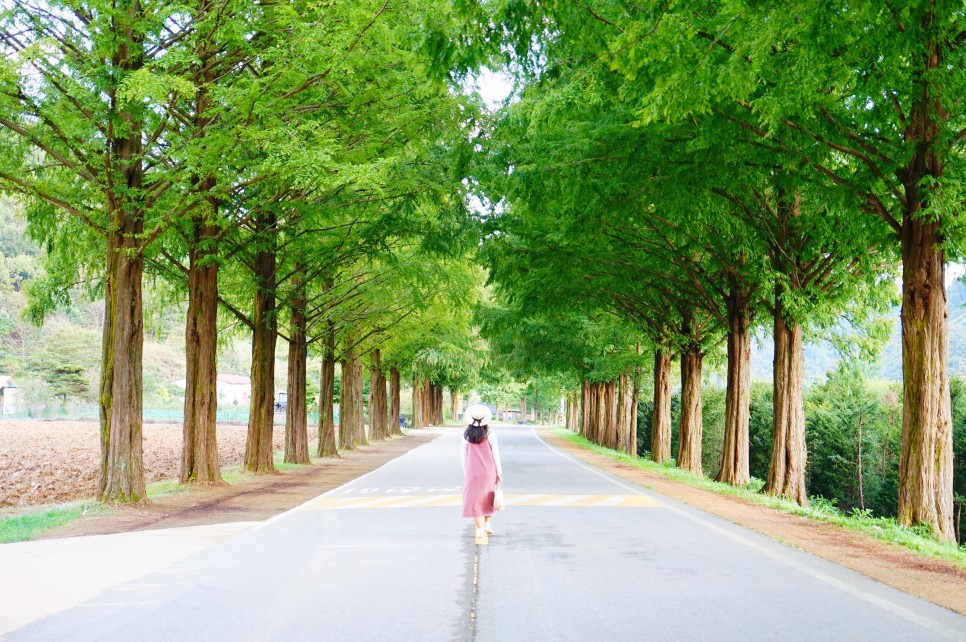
76,107
878,93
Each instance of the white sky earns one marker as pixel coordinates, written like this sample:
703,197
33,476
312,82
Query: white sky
493,87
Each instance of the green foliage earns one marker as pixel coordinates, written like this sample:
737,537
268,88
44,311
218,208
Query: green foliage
845,416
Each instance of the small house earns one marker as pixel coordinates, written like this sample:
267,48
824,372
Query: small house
231,390
9,395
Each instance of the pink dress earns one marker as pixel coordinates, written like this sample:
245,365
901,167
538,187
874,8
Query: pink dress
479,480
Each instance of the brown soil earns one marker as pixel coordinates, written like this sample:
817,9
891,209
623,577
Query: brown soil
47,462
939,582
44,463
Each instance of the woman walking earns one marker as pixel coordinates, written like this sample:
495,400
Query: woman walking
482,471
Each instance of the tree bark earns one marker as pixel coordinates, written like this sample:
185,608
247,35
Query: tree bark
327,447
926,456
378,421
734,461
121,477
440,419
600,412
357,394
611,416
352,431
296,406
394,393
199,452
122,474
786,474
347,433
456,404
261,418
626,435
661,414
105,398
418,403
585,409
691,426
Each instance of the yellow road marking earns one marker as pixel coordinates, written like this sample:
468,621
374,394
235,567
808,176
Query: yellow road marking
427,501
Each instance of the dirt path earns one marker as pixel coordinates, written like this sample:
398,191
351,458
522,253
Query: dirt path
933,580
253,498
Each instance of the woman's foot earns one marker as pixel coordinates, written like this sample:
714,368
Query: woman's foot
480,533
489,527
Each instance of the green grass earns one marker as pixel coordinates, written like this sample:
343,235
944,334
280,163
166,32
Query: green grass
17,528
887,529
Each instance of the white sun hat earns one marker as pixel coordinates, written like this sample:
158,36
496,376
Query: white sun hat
477,413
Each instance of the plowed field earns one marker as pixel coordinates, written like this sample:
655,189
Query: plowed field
44,462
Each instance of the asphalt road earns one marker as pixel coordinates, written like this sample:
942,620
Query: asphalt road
577,555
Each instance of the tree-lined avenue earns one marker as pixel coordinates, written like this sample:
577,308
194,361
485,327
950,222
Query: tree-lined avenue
652,568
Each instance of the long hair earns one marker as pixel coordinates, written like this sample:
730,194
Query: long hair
476,432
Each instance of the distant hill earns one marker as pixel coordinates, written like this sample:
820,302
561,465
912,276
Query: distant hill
820,358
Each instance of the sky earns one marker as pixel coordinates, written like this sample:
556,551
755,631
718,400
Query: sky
493,87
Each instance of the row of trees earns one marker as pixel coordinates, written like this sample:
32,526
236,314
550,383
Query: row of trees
695,171
290,171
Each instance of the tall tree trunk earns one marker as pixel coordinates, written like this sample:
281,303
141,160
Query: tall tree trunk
199,452
394,393
296,406
347,433
327,447
377,399
636,399
596,412
926,456
455,404
859,448
625,413
585,409
611,416
734,461
261,418
691,425
105,397
417,403
661,414
573,411
786,474
123,471
121,476
357,414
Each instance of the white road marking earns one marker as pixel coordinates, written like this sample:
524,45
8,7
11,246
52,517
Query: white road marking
883,603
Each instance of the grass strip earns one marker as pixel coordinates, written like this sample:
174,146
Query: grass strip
914,538
17,528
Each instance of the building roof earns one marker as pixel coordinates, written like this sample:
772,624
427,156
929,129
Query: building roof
6,381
